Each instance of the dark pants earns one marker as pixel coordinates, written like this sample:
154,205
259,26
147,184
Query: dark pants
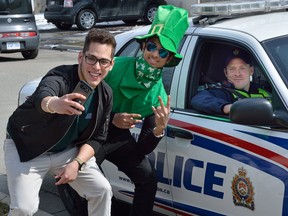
139,169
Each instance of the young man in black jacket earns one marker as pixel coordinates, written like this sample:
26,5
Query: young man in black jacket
52,132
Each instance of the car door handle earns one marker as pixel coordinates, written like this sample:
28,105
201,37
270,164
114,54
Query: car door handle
175,132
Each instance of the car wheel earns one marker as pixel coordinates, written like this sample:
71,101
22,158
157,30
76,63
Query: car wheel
130,22
63,26
30,54
150,13
86,19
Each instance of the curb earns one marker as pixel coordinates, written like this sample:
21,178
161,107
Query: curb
4,198
50,202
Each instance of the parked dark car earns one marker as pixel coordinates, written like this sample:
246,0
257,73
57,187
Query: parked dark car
86,13
18,30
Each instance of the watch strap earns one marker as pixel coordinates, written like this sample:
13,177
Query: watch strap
80,162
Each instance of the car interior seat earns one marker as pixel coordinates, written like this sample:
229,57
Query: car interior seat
212,68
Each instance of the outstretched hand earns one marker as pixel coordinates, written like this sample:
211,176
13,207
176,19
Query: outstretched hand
126,120
64,105
162,114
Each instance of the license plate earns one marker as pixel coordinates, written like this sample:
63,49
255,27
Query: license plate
13,45
52,2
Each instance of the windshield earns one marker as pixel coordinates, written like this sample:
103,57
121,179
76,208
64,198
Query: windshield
277,49
15,7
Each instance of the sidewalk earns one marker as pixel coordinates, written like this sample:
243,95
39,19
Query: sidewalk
50,202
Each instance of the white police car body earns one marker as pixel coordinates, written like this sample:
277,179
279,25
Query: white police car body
212,165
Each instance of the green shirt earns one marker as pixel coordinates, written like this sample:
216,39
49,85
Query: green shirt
136,86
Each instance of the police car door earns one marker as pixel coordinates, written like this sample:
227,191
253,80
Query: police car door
218,167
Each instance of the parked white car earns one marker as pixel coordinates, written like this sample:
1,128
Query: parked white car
212,164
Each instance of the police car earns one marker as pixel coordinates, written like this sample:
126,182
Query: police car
215,164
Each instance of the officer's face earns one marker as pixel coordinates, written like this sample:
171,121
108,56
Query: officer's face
238,72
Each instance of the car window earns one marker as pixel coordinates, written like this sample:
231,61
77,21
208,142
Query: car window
277,49
130,49
15,7
208,70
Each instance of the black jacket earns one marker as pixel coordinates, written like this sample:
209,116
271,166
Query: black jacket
145,143
35,131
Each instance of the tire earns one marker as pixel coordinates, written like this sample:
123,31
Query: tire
63,26
150,13
130,22
31,54
86,19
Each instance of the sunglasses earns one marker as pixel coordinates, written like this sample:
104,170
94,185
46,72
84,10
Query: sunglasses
151,47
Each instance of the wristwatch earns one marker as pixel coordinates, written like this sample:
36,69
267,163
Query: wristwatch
81,163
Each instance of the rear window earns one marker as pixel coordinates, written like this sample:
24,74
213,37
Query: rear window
8,7
277,49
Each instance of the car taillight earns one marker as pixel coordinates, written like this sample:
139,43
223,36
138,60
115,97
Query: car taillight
17,34
68,3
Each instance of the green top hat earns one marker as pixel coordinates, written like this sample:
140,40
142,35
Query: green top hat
169,24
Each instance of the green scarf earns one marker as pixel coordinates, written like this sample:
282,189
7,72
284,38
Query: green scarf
136,86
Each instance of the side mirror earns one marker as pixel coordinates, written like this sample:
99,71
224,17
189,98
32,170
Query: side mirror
257,111
253,111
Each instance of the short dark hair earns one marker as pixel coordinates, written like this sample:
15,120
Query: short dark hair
99,36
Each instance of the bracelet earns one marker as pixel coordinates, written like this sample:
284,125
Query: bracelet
47,104
159,136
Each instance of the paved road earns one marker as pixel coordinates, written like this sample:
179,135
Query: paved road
14,72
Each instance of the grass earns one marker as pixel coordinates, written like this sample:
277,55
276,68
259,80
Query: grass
4,208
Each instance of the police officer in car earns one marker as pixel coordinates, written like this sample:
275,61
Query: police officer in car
218,100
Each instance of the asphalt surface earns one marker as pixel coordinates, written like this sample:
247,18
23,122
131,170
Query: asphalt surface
50,202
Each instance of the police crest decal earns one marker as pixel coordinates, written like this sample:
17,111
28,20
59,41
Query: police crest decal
242,190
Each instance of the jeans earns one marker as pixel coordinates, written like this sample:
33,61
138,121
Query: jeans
25,180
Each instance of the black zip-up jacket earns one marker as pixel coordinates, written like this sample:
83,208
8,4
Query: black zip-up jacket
35,131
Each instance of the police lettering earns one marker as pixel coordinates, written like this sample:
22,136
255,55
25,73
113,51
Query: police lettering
183,174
